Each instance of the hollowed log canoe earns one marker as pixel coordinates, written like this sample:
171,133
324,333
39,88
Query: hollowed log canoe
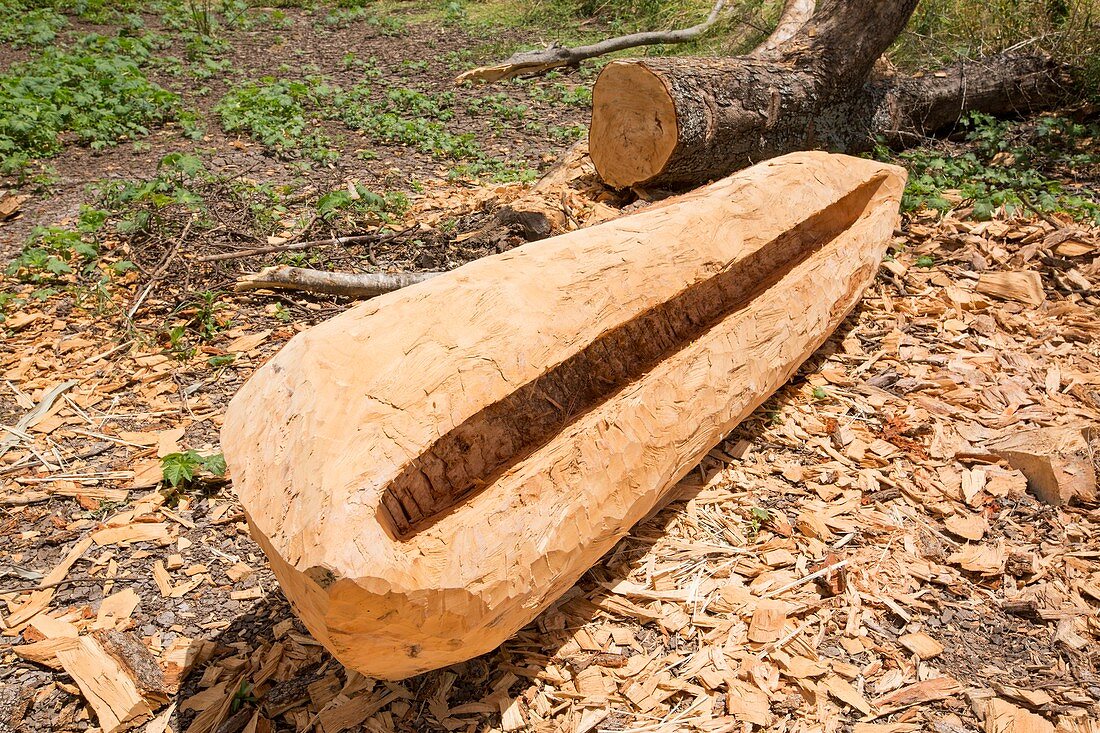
430,469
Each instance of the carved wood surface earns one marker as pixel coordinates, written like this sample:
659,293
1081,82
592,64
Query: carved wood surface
430,469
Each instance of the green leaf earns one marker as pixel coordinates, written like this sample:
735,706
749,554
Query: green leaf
983,210
57,267
215,464
178,468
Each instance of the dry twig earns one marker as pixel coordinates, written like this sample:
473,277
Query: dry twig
538,62
373,237
347,284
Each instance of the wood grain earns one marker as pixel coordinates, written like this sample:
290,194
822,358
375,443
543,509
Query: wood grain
429,470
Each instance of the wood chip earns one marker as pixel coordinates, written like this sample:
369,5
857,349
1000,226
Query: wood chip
45,652
117,676
984,559
344,713
935,688
1024,287
1004,717
239,572
843,690
921,644
59,572
162,578
969,526
136,532
768,621
1057,462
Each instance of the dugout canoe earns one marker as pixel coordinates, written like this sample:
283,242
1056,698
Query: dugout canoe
430,469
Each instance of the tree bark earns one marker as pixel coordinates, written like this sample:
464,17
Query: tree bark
674,122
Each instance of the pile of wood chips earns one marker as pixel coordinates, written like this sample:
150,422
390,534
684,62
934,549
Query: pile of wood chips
905,538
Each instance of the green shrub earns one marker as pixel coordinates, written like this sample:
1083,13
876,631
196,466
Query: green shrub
180,469
274,113
1008,166
51,252
406,117
942,31
23,25
97,97
363,202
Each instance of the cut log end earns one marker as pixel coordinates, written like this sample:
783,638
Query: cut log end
634,130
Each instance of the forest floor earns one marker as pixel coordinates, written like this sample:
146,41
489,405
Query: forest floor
862,553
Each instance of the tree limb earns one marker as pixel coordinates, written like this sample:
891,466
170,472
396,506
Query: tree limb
373,237
538,62
347,284
794,16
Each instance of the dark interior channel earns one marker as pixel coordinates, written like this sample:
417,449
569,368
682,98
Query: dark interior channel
472,455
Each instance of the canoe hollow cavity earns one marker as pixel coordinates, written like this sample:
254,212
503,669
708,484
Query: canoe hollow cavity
471,456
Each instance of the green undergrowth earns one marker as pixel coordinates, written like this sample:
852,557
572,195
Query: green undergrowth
279,115
52,252
1051,165
182,201
72,259
940,32
22,24
184,194
92,94
286,117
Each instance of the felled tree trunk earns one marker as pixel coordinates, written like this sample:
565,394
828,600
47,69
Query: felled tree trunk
680,121
429,470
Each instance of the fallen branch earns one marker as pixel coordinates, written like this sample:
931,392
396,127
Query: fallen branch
347,284
537,62
161,267
35,416
794,16
373,237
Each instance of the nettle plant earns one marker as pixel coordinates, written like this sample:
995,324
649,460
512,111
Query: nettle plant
145,207
278,114
96,93
52,253
1005,166
358,204
181,470
285,117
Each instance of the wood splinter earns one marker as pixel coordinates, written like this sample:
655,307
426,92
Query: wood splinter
429,470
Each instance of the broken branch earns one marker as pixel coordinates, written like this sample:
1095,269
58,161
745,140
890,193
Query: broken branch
538,62
347,284
374,237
